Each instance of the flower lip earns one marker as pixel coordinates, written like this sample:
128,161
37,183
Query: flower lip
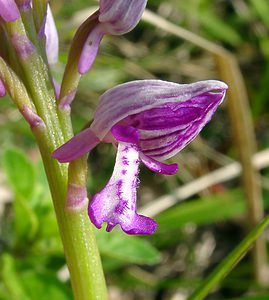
116,203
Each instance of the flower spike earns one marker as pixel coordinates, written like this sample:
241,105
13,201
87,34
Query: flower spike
149,121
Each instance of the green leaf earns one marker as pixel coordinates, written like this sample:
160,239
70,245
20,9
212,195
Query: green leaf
219,29
21,175
262,9
26,222
128,249
29,284
44,286
229,262
260,297
20,172
203,211
11,279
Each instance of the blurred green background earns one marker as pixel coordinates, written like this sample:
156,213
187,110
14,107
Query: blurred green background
194,235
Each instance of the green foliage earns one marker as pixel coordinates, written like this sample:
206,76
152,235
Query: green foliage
30,284
126,249
18,167
34,232
21,176
201,212
260,297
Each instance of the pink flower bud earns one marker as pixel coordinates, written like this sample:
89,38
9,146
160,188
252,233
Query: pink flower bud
9,11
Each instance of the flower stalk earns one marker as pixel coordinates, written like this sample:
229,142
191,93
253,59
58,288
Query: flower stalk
34,95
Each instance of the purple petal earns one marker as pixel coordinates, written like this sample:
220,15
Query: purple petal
80,144
90,49
142,95
166,146
52,40
9,11
121,16
116,203
157,166
2,89
125,134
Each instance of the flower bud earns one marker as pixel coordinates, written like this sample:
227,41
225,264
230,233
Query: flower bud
9,11
121,16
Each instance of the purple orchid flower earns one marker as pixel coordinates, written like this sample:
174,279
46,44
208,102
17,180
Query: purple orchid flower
9,11
114,17
148,121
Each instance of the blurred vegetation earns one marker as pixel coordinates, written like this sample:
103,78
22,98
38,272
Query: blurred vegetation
194,236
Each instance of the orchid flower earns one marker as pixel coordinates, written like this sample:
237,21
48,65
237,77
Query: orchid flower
114,17
148,121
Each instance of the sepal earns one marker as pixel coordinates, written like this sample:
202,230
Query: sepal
80,144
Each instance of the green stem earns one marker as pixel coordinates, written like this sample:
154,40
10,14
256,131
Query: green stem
77,234
76,230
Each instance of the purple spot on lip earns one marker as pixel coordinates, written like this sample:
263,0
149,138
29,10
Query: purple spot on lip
126,149
125,161
119,186
119,209
124,172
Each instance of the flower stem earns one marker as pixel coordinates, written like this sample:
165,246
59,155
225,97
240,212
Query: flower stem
77,234
37,94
